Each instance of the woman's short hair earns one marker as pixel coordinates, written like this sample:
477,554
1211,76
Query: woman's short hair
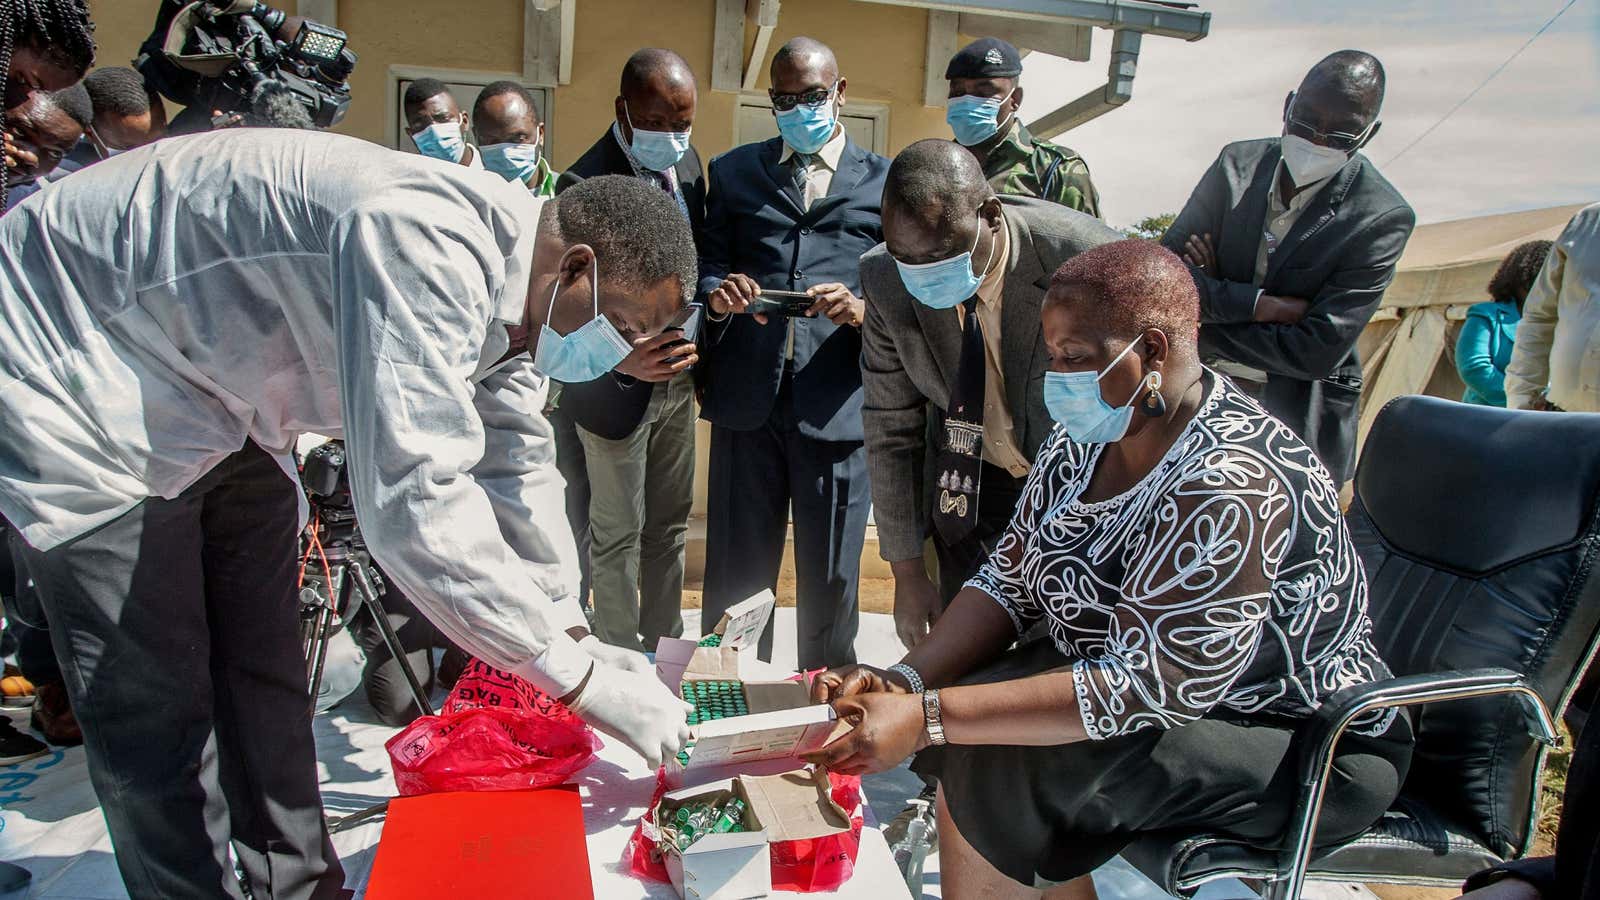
1131,286
1517,271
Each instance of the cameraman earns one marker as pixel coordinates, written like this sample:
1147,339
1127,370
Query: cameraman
222,294
258,48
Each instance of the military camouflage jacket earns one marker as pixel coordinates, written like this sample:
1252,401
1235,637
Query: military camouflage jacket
1025,166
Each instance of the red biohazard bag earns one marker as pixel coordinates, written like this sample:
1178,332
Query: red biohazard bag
483,686
809,866
497,733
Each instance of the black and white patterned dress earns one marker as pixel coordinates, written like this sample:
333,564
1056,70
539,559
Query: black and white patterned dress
1225,578
1202,614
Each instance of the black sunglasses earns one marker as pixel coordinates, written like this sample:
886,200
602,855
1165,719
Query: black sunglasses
1342,141
813,99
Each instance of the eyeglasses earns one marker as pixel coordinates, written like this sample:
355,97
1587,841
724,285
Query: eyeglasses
813,99
1342,141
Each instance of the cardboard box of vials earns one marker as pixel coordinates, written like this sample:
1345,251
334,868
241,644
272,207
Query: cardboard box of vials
791,806
741,725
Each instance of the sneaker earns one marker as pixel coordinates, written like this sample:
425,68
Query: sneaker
16,747
53,718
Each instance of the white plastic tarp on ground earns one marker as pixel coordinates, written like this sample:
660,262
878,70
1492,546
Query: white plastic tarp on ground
50,822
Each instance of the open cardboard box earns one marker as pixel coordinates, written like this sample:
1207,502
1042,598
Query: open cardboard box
782,726
740,628
790,806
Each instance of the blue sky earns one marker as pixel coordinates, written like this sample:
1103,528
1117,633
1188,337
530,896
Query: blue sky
1530,139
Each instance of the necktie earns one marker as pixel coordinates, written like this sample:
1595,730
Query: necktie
664,181
802,177
955,513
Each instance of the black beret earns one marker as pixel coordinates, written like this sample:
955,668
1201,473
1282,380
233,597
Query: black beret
985,58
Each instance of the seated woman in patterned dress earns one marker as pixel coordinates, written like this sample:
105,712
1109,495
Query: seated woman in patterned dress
1199,595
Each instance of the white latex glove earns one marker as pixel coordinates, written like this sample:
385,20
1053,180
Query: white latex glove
616,657
636,709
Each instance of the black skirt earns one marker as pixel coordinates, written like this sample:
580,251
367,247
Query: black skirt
1051,814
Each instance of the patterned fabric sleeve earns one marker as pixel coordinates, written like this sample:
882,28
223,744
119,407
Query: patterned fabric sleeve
1071,187
1195,597
1001,577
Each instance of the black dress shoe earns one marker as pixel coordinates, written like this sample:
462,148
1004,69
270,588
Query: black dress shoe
16,747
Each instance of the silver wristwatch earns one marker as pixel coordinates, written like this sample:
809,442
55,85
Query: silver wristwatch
933,718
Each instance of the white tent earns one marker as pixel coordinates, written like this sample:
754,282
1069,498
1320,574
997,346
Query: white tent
1409,346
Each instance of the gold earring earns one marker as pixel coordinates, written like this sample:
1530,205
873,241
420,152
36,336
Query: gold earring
1154,405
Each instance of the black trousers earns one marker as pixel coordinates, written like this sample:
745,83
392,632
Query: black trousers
176,626
755,475
1043,815
383,679
25,618
572,464
997,499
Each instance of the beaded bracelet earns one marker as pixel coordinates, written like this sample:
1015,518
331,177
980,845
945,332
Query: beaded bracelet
911,675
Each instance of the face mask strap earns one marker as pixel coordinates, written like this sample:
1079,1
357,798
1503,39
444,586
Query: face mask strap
1119,356
594,284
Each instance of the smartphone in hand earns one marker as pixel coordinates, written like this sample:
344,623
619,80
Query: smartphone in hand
789,304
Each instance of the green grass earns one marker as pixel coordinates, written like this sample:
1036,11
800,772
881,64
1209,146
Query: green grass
1552,788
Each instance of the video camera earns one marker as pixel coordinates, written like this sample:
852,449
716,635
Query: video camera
215,55
327,487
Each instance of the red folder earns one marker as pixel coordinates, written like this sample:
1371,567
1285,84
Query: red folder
491,845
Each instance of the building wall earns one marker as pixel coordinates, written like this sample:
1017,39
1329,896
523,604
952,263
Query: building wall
880,50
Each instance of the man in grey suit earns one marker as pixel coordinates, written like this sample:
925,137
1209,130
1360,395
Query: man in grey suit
1292,241
953,364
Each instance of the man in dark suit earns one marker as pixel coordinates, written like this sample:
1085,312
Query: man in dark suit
783,395
961,352
634,427
1293,241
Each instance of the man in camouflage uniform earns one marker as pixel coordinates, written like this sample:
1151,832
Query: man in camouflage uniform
984,99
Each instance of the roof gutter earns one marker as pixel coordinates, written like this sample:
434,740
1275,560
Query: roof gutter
1117,90
1128,20
1132,15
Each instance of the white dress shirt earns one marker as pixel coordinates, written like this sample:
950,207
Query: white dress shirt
160,308
1558,339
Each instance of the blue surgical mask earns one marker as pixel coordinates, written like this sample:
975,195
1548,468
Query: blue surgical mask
585,354
657,151
806,129
441,140
1073,399
947,283
974,120
513,162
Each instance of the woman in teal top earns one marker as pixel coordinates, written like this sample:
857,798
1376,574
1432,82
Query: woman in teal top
1484,346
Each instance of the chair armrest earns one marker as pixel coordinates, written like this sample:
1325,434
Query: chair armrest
1321,732
1328,723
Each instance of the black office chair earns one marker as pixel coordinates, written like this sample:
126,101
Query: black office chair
1480,532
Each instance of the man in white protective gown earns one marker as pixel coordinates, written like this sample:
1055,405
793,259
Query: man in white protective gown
170,321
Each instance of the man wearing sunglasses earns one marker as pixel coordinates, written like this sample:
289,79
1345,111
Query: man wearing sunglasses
1292,241
783,393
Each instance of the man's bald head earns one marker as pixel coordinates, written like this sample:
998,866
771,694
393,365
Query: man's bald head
658,93
804,58
1349,80
937,204
655,69
935,181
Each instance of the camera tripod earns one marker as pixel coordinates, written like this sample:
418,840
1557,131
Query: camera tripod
349,566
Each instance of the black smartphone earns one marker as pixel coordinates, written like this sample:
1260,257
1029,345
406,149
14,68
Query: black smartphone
790,304
687,324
